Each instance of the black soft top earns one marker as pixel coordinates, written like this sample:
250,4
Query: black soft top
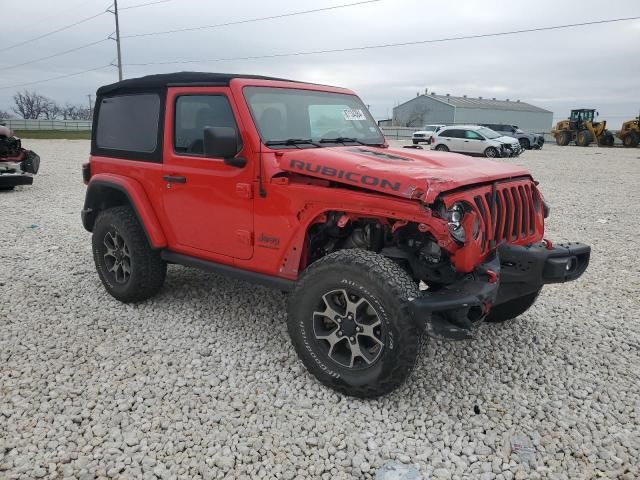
163,80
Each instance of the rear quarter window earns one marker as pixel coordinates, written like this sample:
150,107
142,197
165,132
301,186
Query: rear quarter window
128,123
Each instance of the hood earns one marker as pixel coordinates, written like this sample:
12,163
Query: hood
407,173
505,139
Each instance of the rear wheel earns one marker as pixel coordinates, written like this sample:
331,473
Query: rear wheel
442,148
513,308
349,323
584,138
631,139
563,138
491,152
129,268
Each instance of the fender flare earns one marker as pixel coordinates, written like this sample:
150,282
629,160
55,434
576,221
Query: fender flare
137,198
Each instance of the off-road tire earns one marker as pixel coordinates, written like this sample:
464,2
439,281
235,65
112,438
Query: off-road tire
442,148
386,287
148,270
631,139
584,138
563,138
415,142
512,309
525,143
492,152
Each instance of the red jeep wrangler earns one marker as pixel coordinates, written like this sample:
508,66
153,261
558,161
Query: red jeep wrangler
293,186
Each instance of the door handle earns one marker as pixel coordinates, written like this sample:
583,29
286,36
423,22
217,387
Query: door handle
174,179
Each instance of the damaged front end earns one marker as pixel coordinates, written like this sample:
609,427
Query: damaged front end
499,225
17,165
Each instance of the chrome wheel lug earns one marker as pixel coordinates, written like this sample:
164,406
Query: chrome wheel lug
353,339
340,333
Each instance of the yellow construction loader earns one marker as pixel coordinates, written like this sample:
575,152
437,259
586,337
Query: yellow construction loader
630,132
581,128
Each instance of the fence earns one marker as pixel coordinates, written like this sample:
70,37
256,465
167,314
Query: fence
19,124
398,133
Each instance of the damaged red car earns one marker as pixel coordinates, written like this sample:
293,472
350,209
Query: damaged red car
17,165
293,186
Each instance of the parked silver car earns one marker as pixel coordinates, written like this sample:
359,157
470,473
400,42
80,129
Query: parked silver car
527,140
424,135
475,140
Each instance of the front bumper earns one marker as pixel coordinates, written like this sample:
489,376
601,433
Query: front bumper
15,179
508,151
455,310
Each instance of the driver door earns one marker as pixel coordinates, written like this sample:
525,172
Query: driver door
474,142
208,204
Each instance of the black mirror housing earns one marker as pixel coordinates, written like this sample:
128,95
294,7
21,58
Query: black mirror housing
220,142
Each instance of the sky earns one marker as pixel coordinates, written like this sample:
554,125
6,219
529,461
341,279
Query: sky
596,66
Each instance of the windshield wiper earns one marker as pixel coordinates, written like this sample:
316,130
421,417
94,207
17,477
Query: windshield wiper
348,140
293,142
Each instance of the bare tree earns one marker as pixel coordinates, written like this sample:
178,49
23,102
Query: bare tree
5,115
51,110
416,117
30,105
75,112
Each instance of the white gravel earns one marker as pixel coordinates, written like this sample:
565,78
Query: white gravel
202,382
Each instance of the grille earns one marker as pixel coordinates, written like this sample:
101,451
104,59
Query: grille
514,217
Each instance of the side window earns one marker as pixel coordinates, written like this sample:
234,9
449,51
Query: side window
129,123
194,113
456,133
471,135
445,133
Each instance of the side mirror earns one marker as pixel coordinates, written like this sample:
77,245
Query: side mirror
223,142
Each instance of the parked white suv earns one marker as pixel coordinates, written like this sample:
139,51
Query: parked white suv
475,140
425,134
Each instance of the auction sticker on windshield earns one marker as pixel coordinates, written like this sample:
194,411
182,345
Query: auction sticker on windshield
353,114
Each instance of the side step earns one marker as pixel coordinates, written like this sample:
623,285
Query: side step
276,283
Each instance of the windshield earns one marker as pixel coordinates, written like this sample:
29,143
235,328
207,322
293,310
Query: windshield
488,133
291,114
429,128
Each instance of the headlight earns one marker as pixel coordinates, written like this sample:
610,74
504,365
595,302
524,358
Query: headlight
454,216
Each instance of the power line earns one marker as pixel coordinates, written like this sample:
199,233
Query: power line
59,54
389,45
66,27
6,87
250,20
143,5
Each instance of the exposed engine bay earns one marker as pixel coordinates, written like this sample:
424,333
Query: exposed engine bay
417,251
17,165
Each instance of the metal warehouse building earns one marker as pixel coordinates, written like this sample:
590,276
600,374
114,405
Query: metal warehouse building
446,109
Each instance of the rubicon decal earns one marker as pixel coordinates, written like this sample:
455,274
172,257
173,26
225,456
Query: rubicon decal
354,177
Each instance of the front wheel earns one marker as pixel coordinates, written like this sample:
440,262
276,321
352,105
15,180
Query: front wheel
129,268
584,138
525,144
442,148
491,152
512,309
349,323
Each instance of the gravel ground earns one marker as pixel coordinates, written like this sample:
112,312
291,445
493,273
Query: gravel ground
202,382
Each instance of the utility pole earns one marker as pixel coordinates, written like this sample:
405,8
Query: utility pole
117,37
90,107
